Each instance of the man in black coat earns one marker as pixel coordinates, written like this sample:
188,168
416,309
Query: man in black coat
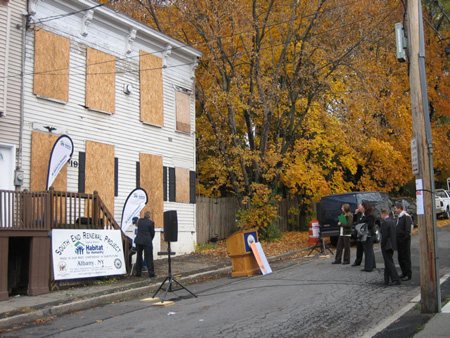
403,231
143,240
388,246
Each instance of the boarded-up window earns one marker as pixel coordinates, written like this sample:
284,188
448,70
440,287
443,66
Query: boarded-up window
41,148
182,193
152,182
150,67
51,66
99,170
100,80
183,112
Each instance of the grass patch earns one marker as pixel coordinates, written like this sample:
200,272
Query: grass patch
446,300
202,248
105,280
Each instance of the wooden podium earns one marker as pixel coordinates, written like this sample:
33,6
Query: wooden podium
242,259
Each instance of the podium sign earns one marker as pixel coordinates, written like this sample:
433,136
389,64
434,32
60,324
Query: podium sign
261,258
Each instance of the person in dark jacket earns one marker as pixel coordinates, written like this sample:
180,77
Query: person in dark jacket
143,240
368,216
343,244
403,232
359,245
388,246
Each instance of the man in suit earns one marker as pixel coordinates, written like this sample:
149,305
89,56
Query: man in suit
388,246
143,240
403,231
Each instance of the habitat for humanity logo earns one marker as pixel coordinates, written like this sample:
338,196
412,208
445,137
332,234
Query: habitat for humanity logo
139,196
79,248
66,145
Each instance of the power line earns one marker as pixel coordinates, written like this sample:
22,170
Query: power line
185,45
61,16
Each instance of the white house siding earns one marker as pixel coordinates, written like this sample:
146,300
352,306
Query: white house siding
123,129
10,70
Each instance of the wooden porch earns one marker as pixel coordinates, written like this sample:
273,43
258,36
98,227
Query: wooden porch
26,221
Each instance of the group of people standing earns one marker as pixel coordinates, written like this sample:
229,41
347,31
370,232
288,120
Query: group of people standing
395,236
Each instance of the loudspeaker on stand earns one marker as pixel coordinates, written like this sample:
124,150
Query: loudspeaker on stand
170,226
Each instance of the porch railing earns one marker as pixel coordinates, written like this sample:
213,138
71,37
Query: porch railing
46,210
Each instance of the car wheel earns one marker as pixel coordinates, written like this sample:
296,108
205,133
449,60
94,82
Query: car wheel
447,213
377,234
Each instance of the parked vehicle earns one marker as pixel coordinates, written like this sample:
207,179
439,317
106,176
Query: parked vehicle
442,203
410,206
329,208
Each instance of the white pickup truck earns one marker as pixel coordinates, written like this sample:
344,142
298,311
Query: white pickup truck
443,202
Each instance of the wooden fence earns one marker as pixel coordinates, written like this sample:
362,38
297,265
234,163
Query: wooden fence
216,217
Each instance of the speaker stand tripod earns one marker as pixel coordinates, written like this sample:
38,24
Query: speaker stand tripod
171,280
321,246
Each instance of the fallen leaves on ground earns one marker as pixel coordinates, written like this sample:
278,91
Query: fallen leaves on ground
289,242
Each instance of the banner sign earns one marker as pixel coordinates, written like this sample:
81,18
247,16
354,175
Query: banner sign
84,253
61,153
419,197
135,202
261,258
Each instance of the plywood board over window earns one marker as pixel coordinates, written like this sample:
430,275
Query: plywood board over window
99,170
151,83
183,103
41,148
151,179
100,80
51,66
182,193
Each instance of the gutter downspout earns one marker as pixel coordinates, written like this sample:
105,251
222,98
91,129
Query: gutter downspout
8,38
25,17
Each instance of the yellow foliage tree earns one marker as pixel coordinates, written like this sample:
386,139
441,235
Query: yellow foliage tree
299,98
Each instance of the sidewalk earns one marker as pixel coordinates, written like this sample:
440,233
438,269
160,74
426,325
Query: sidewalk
21,310
438,326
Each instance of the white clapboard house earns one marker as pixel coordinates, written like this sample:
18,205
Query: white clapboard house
11,37
124,93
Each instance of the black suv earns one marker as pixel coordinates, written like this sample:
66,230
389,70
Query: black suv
329,208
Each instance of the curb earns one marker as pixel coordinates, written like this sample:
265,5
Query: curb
84,304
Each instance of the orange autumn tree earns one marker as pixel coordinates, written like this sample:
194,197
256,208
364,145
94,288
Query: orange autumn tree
294,98
437,52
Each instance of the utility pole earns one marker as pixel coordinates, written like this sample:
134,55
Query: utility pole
429,264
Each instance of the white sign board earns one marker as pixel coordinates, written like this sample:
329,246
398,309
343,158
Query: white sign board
261,258
87,253
419,197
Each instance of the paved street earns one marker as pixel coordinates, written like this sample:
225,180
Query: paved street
308,297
